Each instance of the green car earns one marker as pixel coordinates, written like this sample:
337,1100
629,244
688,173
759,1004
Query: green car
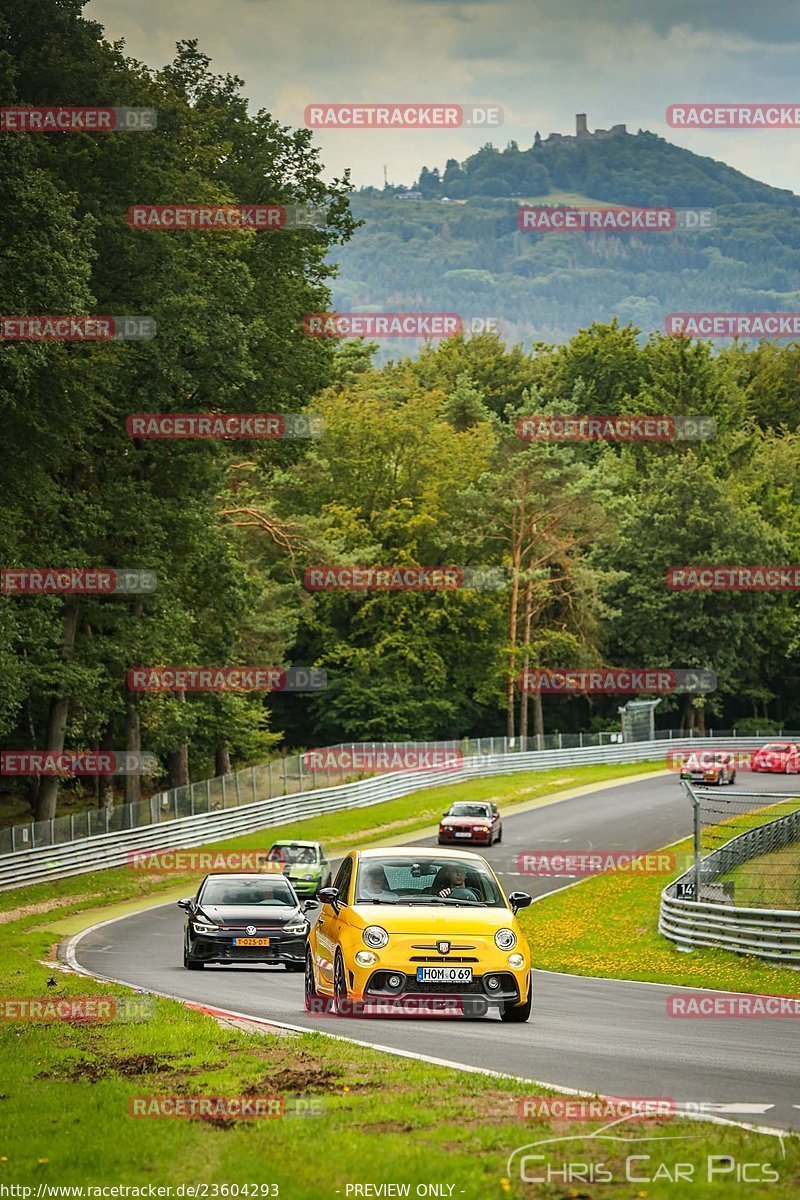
306,865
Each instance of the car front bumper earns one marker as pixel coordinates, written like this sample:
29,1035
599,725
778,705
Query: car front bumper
219,948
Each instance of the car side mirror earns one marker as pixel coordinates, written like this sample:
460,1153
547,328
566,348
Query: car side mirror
307,904
519,900
185,903
330,896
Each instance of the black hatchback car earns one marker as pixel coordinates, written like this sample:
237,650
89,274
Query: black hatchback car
245,918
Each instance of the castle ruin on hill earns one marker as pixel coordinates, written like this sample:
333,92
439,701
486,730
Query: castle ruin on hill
583,134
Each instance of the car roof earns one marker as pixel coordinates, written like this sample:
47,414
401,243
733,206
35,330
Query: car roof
416,851
294,842
259,875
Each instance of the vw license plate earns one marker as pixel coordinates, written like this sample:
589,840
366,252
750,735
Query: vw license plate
444,974
465,833
251,941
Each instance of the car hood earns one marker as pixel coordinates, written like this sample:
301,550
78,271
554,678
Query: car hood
250,914
298,870
468,820
433,920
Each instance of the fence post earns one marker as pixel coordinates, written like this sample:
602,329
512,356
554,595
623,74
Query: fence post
106,812
175,804
208,795
191,799
300,773
71,827
238,790
253,784
560,741
580,741
224,794
285,777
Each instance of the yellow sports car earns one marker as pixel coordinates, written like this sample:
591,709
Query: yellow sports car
415,922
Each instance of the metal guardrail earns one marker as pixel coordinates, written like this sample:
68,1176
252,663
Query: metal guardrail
112,849
766,933
287,776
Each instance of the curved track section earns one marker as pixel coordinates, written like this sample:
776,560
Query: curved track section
595,1035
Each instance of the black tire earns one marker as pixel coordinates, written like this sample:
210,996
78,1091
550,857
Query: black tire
500,835
191,964
732,779
341,1003
516,1013
311,995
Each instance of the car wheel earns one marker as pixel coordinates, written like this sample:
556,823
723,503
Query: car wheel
500,835
340,1001
191,964
311,996
516,1013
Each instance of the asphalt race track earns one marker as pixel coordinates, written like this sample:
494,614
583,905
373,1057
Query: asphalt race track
595,1035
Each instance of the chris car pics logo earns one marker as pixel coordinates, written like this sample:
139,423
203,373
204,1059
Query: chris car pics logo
614,1154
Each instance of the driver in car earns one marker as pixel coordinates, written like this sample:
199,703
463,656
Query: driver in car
454,881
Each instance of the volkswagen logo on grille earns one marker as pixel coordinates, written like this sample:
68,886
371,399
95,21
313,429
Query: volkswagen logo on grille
443,947
250,930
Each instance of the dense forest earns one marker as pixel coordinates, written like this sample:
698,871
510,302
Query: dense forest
418,459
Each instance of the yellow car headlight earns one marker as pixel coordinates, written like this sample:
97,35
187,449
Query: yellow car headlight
365,958
516,961
505,939
375,937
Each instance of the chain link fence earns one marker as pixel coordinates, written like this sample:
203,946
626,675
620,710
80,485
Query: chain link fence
287,777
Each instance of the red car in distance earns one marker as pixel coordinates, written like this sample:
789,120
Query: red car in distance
471,821
778,758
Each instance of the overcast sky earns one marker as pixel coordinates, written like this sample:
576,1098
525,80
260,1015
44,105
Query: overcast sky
541,60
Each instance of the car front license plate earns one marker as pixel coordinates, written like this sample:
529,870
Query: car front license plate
463,833
251,941
444,974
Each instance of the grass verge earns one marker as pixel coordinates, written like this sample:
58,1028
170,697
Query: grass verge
66,1092
388,821
607,925
66,1089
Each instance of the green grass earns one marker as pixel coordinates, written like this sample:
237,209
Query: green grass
769,881
65,1089
607,925
392,819
65,1093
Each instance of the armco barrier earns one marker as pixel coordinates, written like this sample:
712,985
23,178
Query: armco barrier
763,932
112,849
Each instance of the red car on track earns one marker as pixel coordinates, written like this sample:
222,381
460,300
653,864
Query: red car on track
471,821
779,758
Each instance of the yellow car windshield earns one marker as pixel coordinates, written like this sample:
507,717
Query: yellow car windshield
434,880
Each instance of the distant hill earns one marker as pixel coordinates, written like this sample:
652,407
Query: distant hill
466,254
